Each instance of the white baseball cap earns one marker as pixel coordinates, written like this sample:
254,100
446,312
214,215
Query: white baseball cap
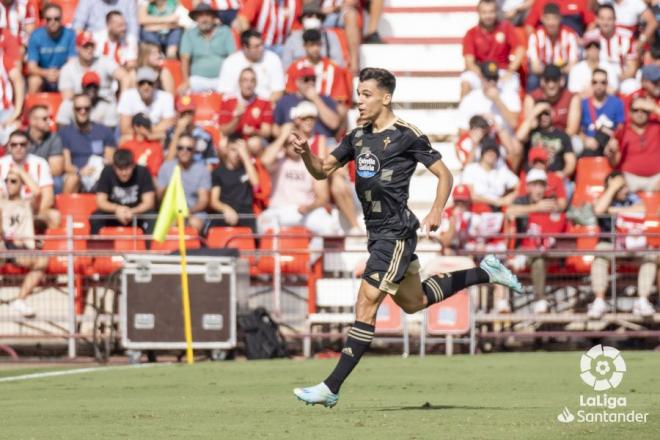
303,109
536,175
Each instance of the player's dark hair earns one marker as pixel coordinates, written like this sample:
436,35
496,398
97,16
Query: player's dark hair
122,159
384,78
605,6
311,36
246,35
111,14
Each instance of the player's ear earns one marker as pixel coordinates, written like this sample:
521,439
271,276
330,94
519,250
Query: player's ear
387,99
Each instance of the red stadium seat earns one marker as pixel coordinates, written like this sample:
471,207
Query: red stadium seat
124,239
171,242
68,10
207,106
80,206
55,240
651,201
174,67
293,246
237,237
590,179
587,241
51,100
215,133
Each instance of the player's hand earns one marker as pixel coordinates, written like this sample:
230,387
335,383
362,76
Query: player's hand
298,142
431,223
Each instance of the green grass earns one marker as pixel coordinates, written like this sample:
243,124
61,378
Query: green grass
500,396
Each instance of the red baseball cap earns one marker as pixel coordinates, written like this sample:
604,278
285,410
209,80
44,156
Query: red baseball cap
185,104
305,71
462,193
84,38
91,78
537,153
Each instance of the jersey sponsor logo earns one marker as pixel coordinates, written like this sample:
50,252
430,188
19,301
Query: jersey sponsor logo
386,142
367,165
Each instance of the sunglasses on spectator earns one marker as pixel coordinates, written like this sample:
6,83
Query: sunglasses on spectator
594,82
184,148
58,18
637,109
143,82
12,181
309,78
18,144
82,109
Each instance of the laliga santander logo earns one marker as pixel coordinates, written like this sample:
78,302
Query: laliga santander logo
602,367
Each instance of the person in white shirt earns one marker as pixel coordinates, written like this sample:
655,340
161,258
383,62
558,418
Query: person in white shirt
18,157
265,63
579,78
115,43
156,104
490,183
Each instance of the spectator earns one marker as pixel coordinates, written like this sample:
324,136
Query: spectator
124,193
146,151
18,233
602,114
227,9
551,43
491,40
630,13
159,23
312,17
247,115
635,148
18,157
618,200
579,78
564,106
454,226
650,89
617,45
70,81
489,183
537,130
19,17
103,112
233,186
195,177
274,19
87,147
375,13
297,198
345,14
501,103
115,43
576,14
478,129
515,11
538,158
185,125
158,105
45,144
536,214
204,50
329,119
91,15
151,56
266,65
49,48
12,84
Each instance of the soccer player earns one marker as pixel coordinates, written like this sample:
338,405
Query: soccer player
386,151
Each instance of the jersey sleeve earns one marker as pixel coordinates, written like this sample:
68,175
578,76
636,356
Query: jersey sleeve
423,152
344,152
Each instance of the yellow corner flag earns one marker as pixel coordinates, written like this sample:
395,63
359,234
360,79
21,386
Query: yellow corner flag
174,206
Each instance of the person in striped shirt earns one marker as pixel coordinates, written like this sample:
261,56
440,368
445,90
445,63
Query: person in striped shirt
274,19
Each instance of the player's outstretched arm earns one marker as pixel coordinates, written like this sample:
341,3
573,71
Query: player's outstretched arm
317,167
445,182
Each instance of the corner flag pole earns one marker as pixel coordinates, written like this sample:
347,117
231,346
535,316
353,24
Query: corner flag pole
185,294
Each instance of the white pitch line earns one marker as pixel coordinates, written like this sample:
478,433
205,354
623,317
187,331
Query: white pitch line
76,371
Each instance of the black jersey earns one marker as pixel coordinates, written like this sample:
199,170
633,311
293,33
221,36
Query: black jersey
384,164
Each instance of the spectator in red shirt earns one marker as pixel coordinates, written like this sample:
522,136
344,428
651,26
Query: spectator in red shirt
650,89
575,13
146,151
246,114
274,19
636,148
538,158
491,40
12,83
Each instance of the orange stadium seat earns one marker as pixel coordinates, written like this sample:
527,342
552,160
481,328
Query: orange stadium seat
171,242
124,239
68,10
587,241
651,201
207,106
590,179
215,133
174,66
237,237
80,206
55,240
295,239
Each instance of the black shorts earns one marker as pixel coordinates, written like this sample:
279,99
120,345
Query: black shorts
389,262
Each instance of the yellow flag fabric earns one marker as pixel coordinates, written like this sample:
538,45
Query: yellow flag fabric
173,203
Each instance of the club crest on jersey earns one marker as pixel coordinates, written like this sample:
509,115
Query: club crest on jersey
367,165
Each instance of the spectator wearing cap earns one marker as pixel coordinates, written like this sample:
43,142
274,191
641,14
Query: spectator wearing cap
151,56
124,193
159,21
256,14
535,213
551,43
491,40
104,111
650,90
146,151
576,14
49,48
204,151
195,177
247,115
489,183
12,84
265,63
116,43
455,222
330,78
46,144
500,103
538,158
91,15
564,106
204,49
312,17
158,105
579,77
88,146
635,148
108,71
602,115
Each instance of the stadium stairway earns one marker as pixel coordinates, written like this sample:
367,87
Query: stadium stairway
424,51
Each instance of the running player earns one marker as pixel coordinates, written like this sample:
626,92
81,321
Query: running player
386,151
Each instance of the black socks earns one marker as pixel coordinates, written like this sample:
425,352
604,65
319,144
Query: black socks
441,287
358,341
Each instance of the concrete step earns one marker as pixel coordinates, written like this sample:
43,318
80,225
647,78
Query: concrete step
427,89
413,58
426,24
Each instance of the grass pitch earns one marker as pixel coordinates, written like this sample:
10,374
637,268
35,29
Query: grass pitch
497,396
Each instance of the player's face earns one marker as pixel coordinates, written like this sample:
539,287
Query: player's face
371,99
